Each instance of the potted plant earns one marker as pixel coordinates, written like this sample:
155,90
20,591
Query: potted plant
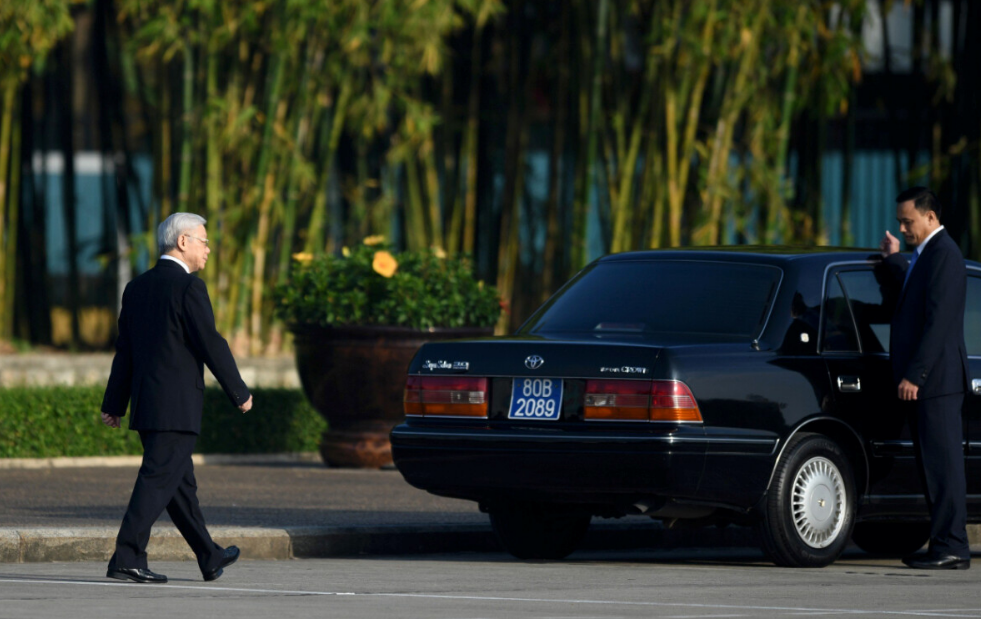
358,319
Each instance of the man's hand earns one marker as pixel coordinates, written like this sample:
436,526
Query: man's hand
889,245
907,390
110,420
247,406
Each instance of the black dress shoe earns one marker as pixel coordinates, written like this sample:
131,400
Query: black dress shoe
136,574
937,562
230,556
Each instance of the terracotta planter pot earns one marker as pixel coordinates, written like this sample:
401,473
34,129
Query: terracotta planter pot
355,377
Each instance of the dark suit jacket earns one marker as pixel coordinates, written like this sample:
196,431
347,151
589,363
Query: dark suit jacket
926,342
166,334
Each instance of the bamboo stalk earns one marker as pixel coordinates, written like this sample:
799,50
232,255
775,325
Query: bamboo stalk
315,237
187,122
6,124
786,114
555,168
213,173
581,210
471,142
735,98
415,218
432,191
165,148
13,233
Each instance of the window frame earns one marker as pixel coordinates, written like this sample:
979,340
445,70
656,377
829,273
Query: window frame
850,265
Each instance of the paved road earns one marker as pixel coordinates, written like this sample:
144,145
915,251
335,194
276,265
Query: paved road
688,585
291,495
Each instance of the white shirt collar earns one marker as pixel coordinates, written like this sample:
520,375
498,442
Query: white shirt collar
186,268
919,248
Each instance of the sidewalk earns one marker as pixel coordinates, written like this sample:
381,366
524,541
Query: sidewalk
277,510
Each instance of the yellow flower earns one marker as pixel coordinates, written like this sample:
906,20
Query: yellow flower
303,257
345,252
374,240
384,264
439,252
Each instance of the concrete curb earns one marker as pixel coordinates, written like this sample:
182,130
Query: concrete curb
97,543
198,459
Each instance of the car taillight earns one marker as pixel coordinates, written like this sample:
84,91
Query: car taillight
450,396
619,400
640,400
671,400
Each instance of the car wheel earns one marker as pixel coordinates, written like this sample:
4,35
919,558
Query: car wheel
893,539
530,531
809,510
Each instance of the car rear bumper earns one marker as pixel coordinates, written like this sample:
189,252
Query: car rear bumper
487,463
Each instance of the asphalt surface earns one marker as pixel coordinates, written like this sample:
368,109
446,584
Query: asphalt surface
270,495
278,511
284,511
680,584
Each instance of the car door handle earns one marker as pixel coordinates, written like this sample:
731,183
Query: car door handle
849,384
976,385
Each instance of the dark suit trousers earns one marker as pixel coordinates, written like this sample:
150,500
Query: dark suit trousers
165,481
939,436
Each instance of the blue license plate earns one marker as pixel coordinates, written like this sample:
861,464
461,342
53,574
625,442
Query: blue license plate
536,398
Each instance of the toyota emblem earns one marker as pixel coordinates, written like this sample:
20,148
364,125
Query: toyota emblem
533,362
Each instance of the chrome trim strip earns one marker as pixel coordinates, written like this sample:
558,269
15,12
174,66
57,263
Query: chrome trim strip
638,421
480,417
773,302
824,293
910,445
497,434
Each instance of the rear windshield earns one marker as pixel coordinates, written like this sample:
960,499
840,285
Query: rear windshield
663,297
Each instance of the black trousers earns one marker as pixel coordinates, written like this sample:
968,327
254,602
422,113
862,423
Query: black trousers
939,438
165,481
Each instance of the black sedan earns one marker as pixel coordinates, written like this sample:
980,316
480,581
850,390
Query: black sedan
747,386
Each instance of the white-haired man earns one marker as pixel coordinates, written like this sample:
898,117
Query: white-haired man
166,335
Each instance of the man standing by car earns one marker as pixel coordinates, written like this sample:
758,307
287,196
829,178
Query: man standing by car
929,362
166,334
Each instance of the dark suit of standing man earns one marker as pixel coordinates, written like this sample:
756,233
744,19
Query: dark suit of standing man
166,334
929,362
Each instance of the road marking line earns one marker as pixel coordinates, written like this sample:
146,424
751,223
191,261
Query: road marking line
489,598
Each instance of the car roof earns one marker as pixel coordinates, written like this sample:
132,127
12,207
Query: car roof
765,254
770,254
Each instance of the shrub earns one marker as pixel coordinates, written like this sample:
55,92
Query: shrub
370,286
46,422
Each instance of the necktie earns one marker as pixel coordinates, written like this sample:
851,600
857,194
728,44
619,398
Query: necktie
909,269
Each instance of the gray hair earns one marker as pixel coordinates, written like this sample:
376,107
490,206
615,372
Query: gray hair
174,226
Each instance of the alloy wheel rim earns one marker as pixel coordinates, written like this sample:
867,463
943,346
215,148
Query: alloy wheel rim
818,502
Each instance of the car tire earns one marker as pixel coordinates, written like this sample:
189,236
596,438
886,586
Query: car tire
891,539
809,510
530,531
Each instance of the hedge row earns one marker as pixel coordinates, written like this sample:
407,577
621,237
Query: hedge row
44,422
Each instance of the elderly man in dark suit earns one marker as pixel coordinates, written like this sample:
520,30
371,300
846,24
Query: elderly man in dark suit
929,362
166,334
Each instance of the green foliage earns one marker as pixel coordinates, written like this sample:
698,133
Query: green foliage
48,422
424,290
28,31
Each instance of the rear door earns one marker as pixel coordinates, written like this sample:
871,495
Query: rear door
855,345
972,412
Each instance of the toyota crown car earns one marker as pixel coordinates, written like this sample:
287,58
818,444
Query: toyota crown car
741,385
